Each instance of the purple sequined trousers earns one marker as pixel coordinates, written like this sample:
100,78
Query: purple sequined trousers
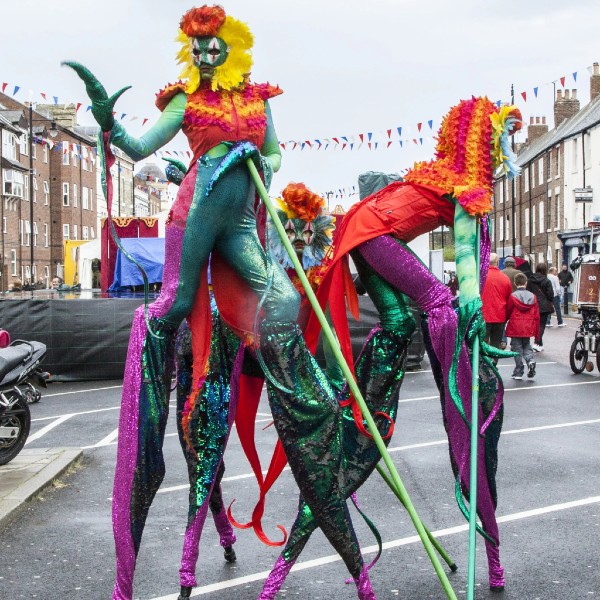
127,448
276,578
408,274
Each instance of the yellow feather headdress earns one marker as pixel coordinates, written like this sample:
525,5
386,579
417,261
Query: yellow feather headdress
234,71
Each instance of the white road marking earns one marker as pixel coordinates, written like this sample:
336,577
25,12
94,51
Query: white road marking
309,564
111,387
44,430
177,488
108,440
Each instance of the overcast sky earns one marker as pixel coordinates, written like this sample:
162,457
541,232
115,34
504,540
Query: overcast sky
346,67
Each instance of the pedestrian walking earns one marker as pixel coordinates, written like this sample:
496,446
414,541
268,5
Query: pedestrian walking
553,277
510,270
539,284
523,324
565,278
495,297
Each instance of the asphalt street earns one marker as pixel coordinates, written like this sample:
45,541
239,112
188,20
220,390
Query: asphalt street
61,547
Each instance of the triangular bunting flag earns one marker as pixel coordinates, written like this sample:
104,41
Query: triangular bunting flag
524,95
419,125
17,88
575,76
399,131
535,91
430,123
562,81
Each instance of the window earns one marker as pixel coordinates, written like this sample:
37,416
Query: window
532,220
526,178
557,204
92,234
13,183
4,225
33,155
45,153
540,171
24,232
9,146
500,229
35,233
75,232
557,162
65,194
46,192
587,150
84,198
526,222
575,158
84,232
75,195
549,167
91,197
13,262
26,187
45,235
35,189
541,215
46,275
66,231
24,144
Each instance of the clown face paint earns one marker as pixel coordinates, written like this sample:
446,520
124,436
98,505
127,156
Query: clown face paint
300,233
208,53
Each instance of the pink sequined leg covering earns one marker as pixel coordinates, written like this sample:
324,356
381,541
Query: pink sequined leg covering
276,578
495,570
226,535
363,586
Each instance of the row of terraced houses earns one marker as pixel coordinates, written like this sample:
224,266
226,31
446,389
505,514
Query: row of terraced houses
51,189
546,214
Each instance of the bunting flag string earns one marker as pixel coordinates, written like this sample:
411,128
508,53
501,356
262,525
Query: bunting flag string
392,137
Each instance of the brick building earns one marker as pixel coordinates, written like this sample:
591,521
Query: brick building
539,216
48,189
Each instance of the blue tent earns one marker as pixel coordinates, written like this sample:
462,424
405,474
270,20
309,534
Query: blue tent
149,253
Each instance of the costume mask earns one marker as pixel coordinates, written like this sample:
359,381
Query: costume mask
211,51
300,233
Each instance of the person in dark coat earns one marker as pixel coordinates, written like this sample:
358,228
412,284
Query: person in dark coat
523,324
565,278
510,270
539,284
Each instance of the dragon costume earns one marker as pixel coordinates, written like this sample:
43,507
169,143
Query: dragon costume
455,190
227,120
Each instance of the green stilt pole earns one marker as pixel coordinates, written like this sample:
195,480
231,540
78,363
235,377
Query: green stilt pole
387,459
474,447
436,544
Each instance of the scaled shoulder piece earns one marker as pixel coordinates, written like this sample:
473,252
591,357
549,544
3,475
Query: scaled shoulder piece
164,96
265,90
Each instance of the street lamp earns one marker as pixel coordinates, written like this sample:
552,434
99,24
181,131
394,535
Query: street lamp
53,133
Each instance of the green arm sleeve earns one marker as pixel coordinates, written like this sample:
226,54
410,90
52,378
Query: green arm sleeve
162,132
270,148
465,231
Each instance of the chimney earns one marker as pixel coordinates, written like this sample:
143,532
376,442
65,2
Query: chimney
536,129
565,106
594,82
64,114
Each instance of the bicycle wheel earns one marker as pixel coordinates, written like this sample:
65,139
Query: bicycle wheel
578,356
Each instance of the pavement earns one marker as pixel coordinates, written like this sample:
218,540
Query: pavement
33,470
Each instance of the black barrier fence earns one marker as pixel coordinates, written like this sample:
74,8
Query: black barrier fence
87,334
86,338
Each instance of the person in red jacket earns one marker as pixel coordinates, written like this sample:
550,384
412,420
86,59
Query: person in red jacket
523,324
495,297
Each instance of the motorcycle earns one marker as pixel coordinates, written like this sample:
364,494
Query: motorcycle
20,373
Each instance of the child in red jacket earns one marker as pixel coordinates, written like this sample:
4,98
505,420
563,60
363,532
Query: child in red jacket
523,324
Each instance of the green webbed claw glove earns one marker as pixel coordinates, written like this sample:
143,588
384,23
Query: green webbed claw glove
102,105
175,170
